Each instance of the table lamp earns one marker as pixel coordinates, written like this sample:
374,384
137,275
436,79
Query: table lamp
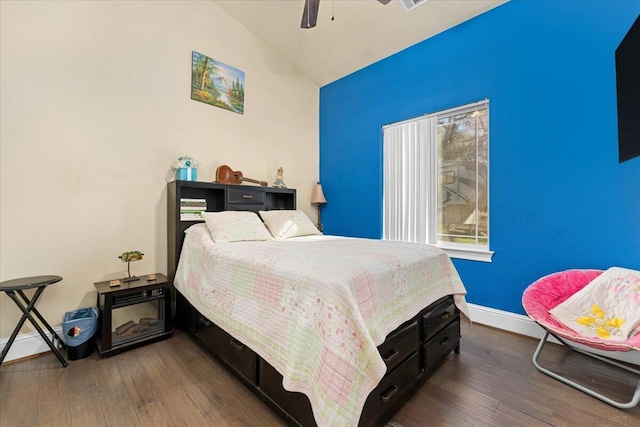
128,257
317,198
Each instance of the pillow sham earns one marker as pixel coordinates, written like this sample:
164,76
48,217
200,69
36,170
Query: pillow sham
235,226
284,224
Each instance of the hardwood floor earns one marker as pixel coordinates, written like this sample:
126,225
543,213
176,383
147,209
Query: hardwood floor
492,382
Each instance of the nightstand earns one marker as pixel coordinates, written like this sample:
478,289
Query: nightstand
133,313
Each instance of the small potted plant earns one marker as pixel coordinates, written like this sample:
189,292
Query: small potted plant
186,168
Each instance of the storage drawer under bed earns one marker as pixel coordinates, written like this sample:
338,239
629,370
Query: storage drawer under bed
232,352
399,345
294,405
436,349
237,355
391,390
435,319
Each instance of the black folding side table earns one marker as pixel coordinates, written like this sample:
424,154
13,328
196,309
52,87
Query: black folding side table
11,287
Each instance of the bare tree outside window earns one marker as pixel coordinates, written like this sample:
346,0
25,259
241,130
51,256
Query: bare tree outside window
462,183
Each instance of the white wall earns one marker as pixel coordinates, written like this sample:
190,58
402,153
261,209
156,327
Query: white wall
96,106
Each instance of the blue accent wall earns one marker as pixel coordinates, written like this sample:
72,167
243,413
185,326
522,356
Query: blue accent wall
559,199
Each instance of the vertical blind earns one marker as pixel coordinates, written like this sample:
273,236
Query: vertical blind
410,175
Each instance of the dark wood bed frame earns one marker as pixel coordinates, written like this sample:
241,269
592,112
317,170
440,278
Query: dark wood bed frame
411,352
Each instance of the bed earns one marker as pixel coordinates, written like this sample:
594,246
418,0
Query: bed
326,330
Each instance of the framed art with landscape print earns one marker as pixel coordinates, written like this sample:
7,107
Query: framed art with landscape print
216,83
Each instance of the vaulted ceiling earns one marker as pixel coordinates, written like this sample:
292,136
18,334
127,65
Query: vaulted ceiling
361,33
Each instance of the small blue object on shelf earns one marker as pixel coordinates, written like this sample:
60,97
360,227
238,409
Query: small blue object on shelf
186,174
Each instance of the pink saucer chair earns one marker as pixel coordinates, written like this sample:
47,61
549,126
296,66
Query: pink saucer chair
549,291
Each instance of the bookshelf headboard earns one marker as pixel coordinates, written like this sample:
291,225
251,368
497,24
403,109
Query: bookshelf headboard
185,199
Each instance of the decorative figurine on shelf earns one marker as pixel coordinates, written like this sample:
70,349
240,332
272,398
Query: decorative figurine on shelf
186,168
128,257
279,183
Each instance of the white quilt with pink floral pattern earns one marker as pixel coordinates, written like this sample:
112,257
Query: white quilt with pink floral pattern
316,307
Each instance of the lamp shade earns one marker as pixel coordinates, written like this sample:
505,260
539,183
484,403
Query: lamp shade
317,196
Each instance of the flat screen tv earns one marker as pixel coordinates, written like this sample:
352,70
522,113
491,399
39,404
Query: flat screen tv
628,90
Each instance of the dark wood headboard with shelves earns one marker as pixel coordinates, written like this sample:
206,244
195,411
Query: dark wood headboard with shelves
218,197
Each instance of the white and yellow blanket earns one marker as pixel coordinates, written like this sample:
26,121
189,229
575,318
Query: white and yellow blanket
316,307
607,308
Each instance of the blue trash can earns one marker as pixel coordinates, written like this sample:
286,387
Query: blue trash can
79,329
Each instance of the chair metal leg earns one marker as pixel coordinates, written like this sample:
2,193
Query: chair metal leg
632,403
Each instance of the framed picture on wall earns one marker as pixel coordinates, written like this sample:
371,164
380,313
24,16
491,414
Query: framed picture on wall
216,83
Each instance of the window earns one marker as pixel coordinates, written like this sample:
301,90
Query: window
436,181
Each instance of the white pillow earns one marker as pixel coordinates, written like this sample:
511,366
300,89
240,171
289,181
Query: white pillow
235,226
284,224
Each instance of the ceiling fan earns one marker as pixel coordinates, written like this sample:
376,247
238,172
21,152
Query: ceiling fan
310,12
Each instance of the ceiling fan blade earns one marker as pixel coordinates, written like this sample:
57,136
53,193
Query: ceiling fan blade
384,1
310,13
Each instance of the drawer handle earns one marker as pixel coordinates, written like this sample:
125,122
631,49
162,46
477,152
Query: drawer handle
387,395
392,355
205,321
445,315
247,196
236,344
445,342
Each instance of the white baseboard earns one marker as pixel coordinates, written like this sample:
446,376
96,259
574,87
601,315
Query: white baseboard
523,325
26,345
30,344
